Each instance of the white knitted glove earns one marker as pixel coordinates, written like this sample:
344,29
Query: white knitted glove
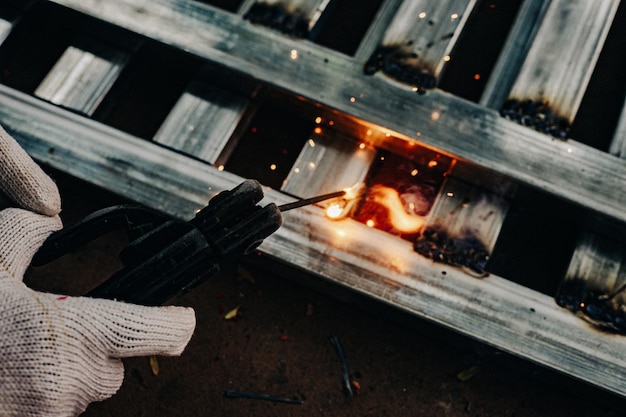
58,353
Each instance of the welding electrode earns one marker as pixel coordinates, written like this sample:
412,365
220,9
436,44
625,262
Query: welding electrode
312,200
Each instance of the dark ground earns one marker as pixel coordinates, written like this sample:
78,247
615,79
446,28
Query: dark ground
279,344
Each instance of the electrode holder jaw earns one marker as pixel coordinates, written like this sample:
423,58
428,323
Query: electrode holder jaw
167,257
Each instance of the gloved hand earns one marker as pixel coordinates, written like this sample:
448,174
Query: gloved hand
58,353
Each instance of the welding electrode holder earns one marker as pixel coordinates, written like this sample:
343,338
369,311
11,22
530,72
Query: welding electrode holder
167,257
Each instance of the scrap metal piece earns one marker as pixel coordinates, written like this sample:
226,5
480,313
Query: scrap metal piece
345,375
257,396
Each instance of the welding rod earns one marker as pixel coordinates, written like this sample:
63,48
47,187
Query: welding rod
345,375
254,395
312,200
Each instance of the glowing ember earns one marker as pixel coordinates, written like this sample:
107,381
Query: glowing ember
398,216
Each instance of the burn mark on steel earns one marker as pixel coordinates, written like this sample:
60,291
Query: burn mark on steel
276,16
465,251
399,63
537,115
594,305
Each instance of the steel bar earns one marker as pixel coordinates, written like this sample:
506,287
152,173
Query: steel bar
5,28
598,265
83,75
328,161
419,40
377,29
466,220
618,144
517,44
203,120
566,46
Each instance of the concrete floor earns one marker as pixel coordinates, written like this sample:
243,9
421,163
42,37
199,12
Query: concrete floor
279,344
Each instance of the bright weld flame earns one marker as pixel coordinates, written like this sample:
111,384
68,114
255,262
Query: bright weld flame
340,207
353,192
334,211
398,217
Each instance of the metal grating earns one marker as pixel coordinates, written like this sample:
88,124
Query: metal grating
474,164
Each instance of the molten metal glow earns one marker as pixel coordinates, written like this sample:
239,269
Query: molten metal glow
353,192
340,208
334,211
398,217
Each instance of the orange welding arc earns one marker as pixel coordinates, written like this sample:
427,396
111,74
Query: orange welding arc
398,216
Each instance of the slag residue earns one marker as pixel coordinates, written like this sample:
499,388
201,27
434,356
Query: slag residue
279,17
537,115
464,250
402,64
604,308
